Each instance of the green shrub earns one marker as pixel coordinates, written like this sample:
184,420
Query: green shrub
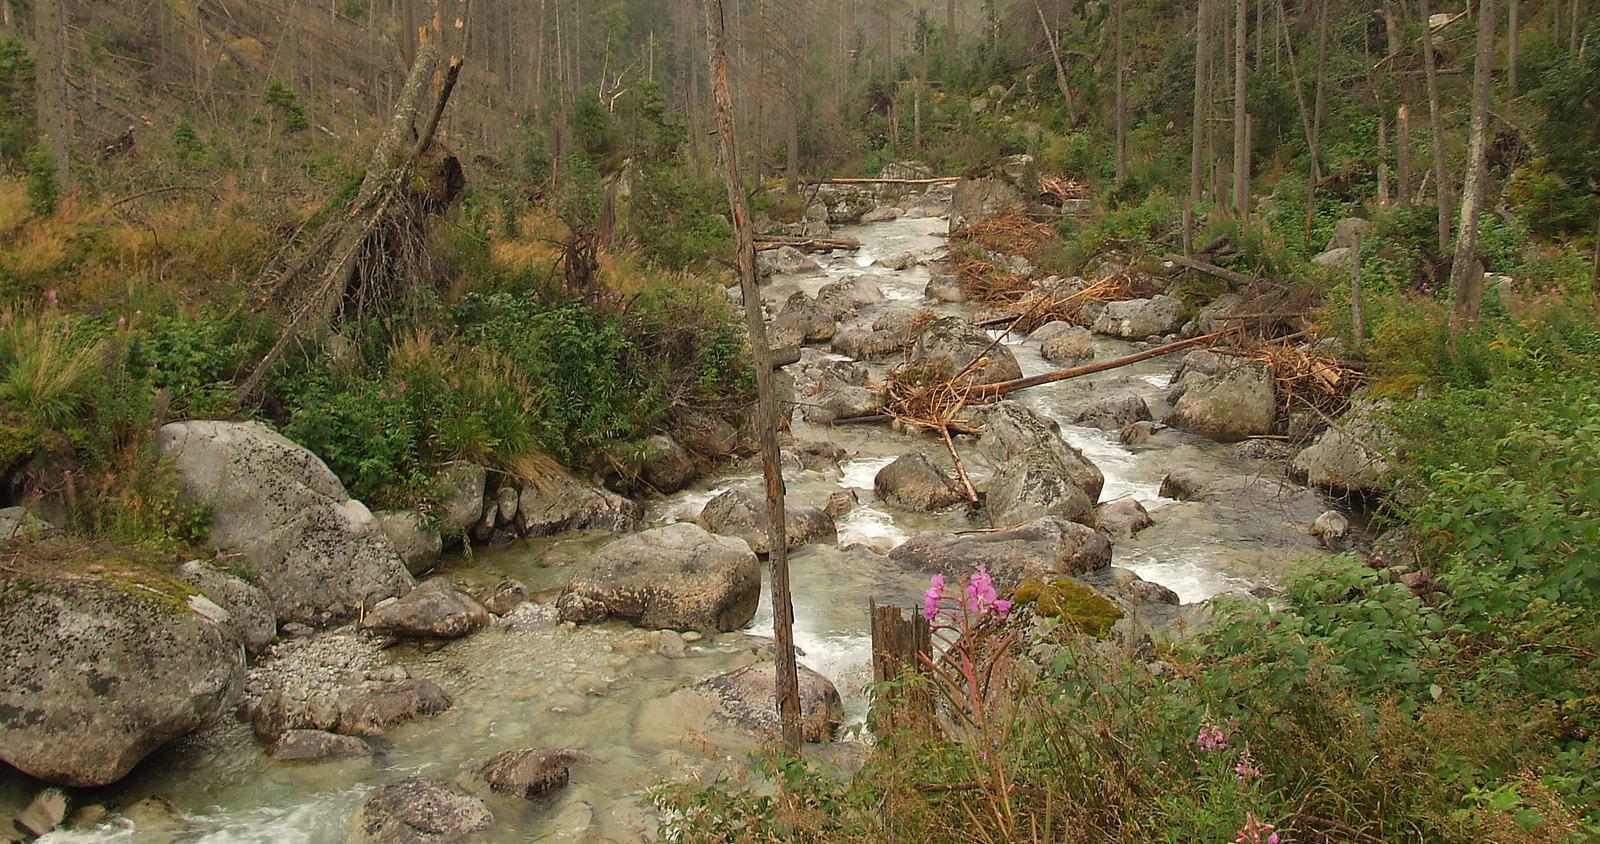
678,218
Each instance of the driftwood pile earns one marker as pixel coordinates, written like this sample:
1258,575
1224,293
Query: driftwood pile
1307,378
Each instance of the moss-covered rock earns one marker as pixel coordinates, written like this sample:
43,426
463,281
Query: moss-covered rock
1071,602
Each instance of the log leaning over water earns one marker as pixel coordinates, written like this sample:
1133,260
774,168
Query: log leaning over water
989,390
937,180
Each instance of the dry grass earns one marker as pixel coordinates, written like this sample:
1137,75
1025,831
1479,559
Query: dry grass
1307,378
1042,306
1012,233
988,283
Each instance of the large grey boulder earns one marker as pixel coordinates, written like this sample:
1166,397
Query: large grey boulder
461,486
1033,484
976,200
667,466
20,522
839,298
679,577
841,402
1011,429
1137,319
418,544
802,320
1114,413
744,515
785,260
556,503
1061,342
101,662
437,609
953,343
944,288
1348,457
1121,519
249,607
749,696
1350,231
912,482
866,343
316,552
1050,547
1239,403
419,811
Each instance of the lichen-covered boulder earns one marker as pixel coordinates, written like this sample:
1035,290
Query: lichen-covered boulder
1051,546
1011,429
1136,319
744,515
678,577
526,772
1033,484
912,482
953,343
102,662
557,502
1060,342
802,320
278,510
1348,457
667,466
248,606
1114,413
462,499
976,200
417,542
1240,402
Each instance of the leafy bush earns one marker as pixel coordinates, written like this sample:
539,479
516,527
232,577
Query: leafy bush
679,219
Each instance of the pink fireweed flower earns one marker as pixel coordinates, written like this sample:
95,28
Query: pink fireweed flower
50,297
1256,832
382,394
122,322
931,598
978,598
1245,773
1211,738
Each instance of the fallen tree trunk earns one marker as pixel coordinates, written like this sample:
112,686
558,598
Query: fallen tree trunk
773,241
340,243
991,390
1233,278
937,180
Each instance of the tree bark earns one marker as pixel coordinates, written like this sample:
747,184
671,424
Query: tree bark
1122,99
1402,155
766,408
1241,127
1055,55
53,108
1197,152
950,29
1466,276
1358,320
1512,33
1436,119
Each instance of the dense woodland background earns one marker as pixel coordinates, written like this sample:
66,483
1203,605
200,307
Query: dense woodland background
163,162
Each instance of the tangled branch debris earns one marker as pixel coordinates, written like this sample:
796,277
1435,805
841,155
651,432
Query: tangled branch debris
987,282
1066,305
1308,378
1011,233
1062,190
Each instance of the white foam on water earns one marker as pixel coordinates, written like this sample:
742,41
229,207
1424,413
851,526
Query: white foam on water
1119,466
872,528
1157,380
315,821
1187,575
859,474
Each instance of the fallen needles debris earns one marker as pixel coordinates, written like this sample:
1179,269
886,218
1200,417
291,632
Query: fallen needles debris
1012,233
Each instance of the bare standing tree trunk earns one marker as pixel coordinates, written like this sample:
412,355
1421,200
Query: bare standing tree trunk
950,29
1511,49
1197,153
1055,55
1241,126
1466,276
767,407
1436,118
53,109
1358,315
1122,101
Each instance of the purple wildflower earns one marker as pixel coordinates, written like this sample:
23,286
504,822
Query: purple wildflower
1211,738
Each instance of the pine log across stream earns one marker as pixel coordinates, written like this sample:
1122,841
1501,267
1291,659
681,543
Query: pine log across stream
986,391
775,241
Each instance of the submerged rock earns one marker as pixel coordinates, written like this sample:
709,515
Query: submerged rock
419,811
525,772
316,746
749,696
680,577
1051,546
315,551
366,708
101,663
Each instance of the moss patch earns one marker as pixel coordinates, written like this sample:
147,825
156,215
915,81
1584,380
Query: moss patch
36,563
1071,602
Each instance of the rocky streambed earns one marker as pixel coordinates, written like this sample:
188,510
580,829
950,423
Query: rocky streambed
510,720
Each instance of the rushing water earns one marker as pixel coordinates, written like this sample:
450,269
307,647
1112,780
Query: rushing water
607,691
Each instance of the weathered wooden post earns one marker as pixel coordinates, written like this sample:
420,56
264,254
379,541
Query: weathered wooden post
900,648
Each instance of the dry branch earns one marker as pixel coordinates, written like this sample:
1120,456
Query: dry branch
938,180
1233,278
985,391
773,241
